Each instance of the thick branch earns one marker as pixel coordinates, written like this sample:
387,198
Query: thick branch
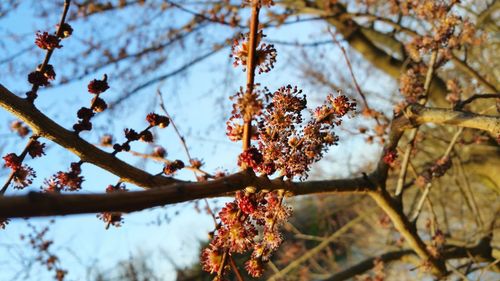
43,126
45,204
420,115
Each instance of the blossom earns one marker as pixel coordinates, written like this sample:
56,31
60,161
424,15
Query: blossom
47,41
12,161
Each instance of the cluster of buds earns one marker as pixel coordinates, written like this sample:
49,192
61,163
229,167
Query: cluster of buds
45,73
65,181
449,31
23,175
265,54
411,84
41,77
248,224
154,120
113,218
95,87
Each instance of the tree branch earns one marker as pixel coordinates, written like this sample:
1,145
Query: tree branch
420,115
45,127
49,204
481,250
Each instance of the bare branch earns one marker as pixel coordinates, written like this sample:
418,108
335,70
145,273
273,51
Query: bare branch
47,128
45,204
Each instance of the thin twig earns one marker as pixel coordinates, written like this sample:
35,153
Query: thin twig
461,104
429,184
414,132
349,66
186,149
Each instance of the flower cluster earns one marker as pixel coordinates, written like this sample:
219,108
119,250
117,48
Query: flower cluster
44,73
113,218
265,54
289,143
95,87
449,31
23,175
285,142
65,181
250,223
411,84
245,108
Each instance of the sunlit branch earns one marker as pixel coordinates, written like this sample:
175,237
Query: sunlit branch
49,204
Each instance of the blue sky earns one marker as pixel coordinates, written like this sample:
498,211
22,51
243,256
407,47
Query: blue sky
82,241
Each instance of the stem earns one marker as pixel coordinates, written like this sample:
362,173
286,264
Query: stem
251,63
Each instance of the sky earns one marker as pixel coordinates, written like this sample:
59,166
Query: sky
81,241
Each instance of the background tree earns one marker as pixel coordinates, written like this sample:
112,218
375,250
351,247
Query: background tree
407,63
